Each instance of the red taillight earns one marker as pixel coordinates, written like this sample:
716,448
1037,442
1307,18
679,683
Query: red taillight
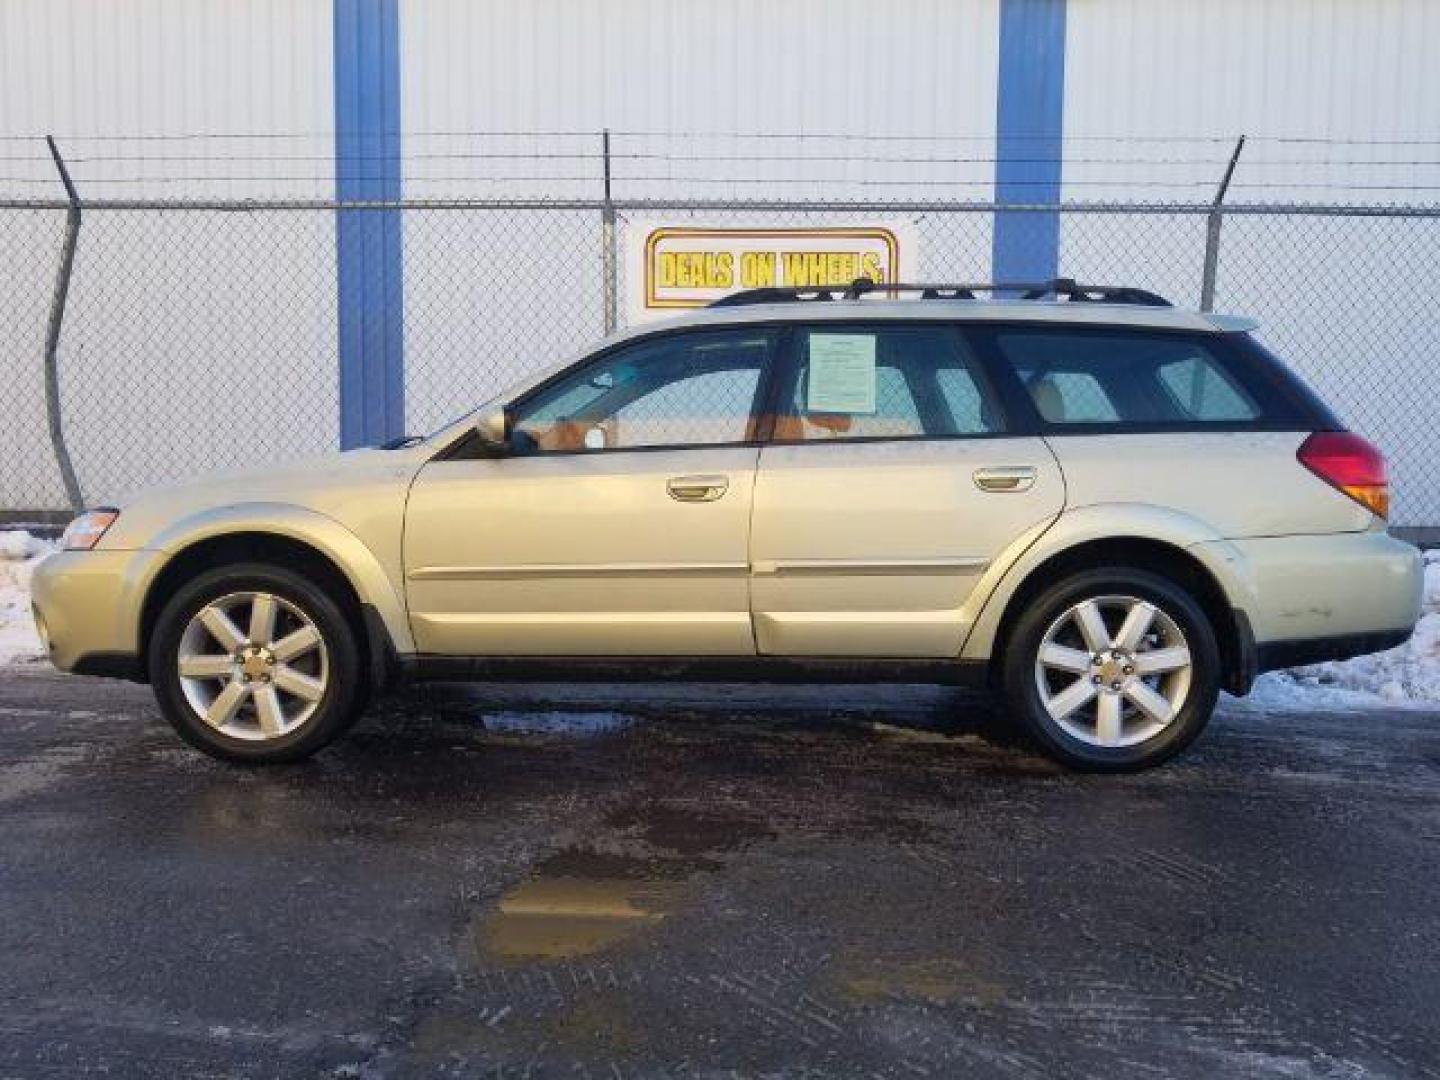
1350,464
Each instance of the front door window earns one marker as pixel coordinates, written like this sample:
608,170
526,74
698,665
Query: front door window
693,389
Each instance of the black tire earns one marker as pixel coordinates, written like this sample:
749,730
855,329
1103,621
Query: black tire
1022,647
338,707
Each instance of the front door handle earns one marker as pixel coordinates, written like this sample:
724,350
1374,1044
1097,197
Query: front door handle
1005,478
697,488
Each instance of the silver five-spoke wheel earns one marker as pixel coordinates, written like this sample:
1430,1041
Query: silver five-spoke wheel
1113,671
253,665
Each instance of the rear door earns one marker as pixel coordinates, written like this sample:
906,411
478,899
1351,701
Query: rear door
892,479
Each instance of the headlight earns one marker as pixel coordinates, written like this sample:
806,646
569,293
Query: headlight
85,531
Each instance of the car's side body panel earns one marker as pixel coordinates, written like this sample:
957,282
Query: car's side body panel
117,582
1239,483
366,549
1289,588
348,507
874,548
581,554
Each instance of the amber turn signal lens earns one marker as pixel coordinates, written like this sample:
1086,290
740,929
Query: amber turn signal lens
1376,497
85,531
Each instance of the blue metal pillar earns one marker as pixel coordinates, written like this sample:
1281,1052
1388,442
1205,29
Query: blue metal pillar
368,250
1028,138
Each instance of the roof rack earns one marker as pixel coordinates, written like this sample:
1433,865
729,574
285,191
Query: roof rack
1059,288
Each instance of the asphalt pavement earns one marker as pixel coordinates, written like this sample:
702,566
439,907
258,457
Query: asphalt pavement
712,881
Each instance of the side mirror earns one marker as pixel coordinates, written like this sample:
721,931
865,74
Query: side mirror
493,427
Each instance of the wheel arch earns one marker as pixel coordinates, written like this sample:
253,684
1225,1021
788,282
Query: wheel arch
286,536
1168,550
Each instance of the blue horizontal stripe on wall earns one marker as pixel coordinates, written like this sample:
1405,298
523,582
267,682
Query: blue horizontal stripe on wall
369,262
1029,132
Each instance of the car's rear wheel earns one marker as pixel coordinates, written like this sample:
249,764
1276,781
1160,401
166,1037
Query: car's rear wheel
1113,669
256,663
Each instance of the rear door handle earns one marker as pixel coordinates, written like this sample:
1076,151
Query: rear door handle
697,488
1005,478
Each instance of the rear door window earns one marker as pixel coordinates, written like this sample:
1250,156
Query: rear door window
885,382
1122,378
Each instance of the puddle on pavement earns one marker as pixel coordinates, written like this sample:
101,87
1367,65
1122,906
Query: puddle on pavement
577,903
582,901
556,722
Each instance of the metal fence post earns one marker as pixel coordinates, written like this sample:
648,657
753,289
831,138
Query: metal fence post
610,267
52,331
1212,231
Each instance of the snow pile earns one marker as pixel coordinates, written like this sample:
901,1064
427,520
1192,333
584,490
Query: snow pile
1406,673
20,553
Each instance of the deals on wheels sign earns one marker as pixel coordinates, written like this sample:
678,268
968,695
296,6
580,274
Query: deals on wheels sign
671,268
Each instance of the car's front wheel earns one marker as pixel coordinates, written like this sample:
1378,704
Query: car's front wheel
1113,669
255,663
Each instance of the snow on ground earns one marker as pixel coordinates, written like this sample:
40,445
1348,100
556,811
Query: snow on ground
20,553
1409,673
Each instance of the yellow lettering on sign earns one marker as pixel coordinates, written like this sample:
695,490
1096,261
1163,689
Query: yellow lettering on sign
721,271
757,269
697,269
685,267
813,268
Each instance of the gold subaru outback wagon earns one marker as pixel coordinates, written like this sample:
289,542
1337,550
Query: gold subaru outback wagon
1106,510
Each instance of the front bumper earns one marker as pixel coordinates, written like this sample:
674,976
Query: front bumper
87,606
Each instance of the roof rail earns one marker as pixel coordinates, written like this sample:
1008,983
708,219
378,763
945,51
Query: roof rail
1059,288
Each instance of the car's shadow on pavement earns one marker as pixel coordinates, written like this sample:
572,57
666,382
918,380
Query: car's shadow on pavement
581,710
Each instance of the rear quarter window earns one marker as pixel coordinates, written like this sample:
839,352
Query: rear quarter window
1119,378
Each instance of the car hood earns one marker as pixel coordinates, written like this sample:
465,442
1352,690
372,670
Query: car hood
354,487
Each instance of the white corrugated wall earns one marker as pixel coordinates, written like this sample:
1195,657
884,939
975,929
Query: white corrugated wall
917,67
192,340
87,69
1315,73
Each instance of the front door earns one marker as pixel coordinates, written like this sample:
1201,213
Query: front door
618,525
891,485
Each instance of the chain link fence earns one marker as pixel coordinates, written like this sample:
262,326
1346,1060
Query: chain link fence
202,336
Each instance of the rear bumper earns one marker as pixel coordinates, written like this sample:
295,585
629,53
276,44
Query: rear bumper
1360,587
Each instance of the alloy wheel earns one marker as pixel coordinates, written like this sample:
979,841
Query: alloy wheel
1113,671
253,665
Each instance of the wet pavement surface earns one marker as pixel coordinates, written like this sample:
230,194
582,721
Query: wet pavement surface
712,881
